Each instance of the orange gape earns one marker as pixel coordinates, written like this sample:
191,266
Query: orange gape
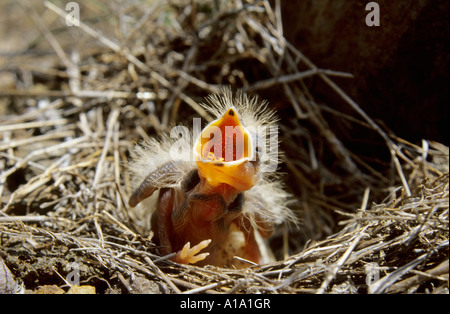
229,156
219,201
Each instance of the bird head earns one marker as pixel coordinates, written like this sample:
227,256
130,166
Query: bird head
225,152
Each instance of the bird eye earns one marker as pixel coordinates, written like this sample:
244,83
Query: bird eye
192,179
237,204
258,152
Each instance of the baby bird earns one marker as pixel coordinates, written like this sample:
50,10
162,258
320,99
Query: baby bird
218,189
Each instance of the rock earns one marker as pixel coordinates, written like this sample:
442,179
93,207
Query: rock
400,67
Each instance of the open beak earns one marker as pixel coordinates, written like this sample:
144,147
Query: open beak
224,151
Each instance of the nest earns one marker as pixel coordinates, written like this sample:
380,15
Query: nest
76,100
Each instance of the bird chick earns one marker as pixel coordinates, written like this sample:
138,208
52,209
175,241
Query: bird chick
217,190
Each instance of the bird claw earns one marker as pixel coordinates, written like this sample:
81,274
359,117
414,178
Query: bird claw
187,255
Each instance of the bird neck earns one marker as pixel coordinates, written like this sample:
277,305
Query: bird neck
228,192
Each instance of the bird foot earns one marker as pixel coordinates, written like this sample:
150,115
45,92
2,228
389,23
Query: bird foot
187,255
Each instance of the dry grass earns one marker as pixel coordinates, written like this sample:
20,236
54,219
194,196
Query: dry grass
75,100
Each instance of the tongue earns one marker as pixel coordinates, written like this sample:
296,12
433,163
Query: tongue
233,141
